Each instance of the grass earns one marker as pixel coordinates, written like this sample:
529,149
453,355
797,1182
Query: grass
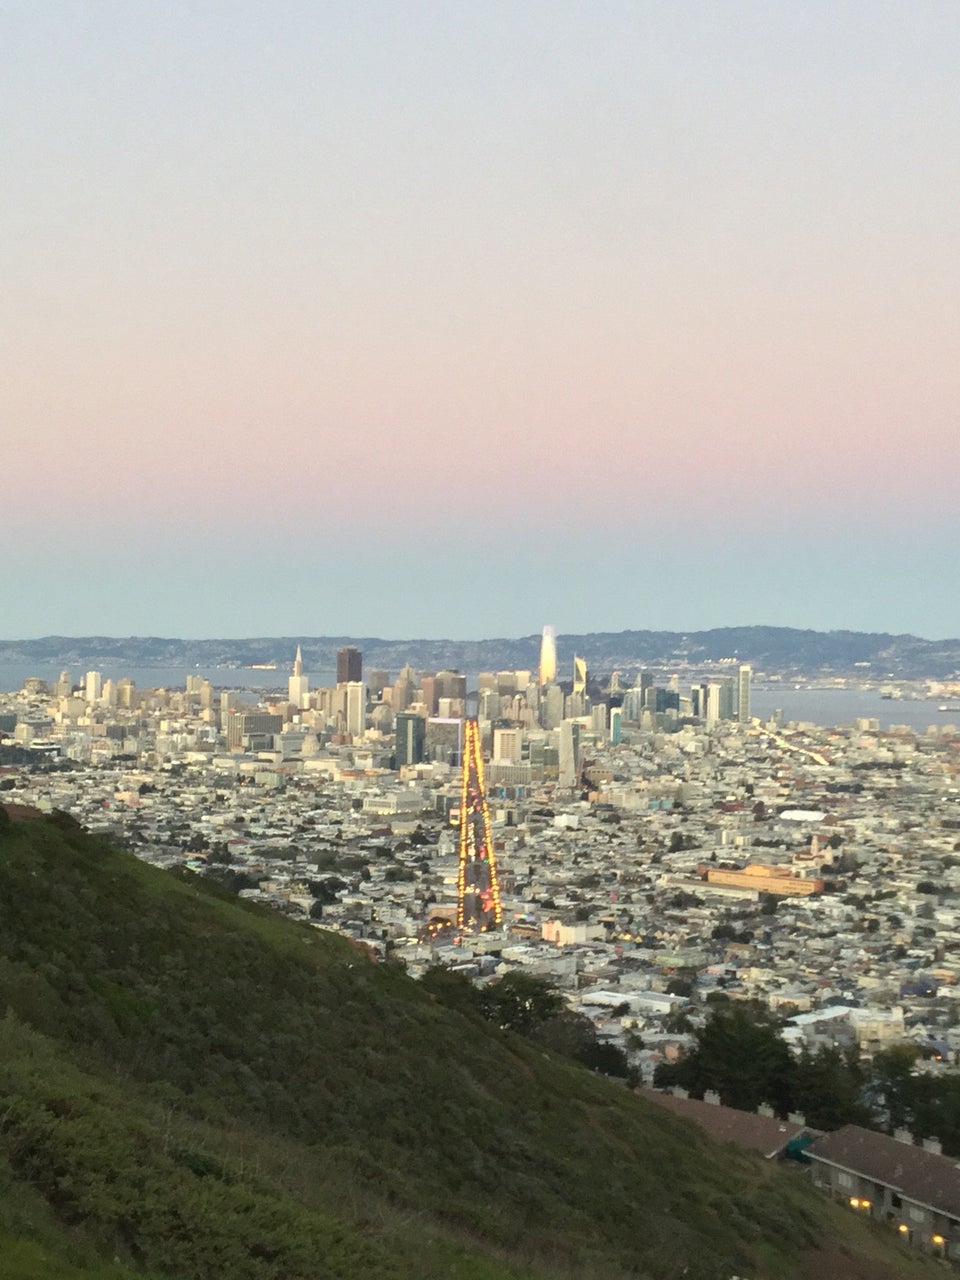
199,1088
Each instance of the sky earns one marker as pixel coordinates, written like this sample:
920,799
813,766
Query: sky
449,319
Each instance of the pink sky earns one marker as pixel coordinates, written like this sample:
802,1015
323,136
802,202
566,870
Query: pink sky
613,270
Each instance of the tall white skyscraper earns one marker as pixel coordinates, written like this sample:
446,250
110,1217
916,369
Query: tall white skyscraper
298,686
569,753
743,693
94,686
356,707
711,712
551,707
548,656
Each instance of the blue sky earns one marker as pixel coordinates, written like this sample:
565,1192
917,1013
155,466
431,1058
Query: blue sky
447,319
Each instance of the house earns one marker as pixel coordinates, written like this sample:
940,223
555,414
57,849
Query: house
915,1189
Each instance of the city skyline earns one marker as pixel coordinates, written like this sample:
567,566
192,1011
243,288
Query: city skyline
630,315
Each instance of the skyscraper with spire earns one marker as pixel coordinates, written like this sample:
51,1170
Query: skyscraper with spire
298,686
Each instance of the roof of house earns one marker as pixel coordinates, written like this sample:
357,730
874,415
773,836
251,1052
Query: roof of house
746,1129
918,1175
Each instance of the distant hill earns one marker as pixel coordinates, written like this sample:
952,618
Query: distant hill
776,649
192,1087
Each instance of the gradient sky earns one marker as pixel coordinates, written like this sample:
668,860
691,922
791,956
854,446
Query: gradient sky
452,319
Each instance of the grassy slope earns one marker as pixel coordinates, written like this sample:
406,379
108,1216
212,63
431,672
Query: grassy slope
200,1089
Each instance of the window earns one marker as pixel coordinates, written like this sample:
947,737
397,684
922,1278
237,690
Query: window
844,1179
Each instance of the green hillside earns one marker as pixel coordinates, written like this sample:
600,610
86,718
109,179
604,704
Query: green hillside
193,1087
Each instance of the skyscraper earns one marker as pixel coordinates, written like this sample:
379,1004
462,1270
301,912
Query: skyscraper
579,675
548,656
349,665
551,707
298,685
356,707
569,753
410,730
743,698
377,681
727,698
711,711
616,726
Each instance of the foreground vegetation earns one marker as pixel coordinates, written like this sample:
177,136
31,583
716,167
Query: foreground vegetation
740,1054
192,1087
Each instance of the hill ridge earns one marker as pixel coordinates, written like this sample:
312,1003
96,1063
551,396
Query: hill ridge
782,649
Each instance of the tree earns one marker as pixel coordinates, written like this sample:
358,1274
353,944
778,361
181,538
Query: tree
740,1054
677,1024
724,933
893,1083
453,989
680,987
828,1089
521,1002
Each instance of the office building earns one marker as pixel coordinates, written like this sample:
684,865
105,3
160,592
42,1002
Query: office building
451,684
579,675
548,656
551,706
711,709
616,726
444,740
355,709
401,693
377,681
429,693
728,698
508,745
569,754
410,736
127,692
576,705
743,698
349,665
252,730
